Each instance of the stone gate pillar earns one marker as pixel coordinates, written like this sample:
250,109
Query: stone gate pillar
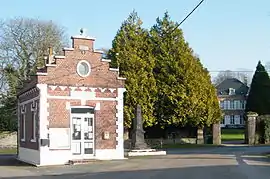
216,134
251,128
200,138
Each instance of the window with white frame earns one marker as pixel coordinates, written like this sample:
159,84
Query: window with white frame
22,122
232,105
221,103
34,122
244,104
222,120
242,121
226,104
237,104
232,119
231,91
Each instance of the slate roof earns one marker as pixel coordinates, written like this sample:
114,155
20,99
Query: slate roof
240,88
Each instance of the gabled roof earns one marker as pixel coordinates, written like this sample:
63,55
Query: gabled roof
224,86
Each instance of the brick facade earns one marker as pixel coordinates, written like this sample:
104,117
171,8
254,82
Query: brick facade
63,88
28,99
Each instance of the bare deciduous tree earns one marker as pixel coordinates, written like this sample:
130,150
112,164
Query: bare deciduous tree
23,43
241,75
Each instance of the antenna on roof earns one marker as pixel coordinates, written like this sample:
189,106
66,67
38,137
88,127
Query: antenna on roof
82,31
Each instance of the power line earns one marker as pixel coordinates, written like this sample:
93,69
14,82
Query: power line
239,71
188,15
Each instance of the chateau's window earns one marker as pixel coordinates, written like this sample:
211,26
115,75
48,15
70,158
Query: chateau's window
242,119
237,104
221,104
222,120
231,91
34,122
232,119
232,105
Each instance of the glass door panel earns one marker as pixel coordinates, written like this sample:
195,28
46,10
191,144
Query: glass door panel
82,134
76,128
88,135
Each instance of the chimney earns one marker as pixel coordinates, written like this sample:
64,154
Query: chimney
245,80
51,58
83,42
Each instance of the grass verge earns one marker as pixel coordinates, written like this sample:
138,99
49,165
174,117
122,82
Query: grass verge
232,134
8,151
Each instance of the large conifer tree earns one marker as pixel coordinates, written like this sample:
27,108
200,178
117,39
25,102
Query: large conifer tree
259,94
185,92
132,53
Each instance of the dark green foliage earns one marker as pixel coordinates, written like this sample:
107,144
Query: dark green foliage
267,129
259,96
185,92
163,75
131,52
263,129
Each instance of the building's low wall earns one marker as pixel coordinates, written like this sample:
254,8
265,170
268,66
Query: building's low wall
8,140
159,142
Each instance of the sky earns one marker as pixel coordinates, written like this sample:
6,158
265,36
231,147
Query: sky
227,35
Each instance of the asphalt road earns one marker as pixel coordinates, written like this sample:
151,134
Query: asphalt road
218,163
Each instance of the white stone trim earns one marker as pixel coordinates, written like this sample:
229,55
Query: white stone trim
34,110
22,114
83,37
89,68
29,156
102,89
114,69
41,74
79,98
97,108
120,122
29,101
68,48
82,88
18,123
121,78
106,60
99,51
24,127
108,154
28,92
59,57
50,65
43,123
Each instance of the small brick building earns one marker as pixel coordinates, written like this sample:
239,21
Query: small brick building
72,109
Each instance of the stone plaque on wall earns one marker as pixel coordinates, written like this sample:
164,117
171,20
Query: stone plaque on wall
59,138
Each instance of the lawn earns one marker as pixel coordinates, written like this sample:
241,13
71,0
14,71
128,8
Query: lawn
8,151
232,134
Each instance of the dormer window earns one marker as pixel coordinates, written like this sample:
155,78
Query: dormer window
231,91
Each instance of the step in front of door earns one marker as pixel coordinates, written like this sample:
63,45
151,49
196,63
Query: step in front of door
82,161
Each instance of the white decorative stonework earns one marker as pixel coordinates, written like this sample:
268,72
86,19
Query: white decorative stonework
29,92
120,123
81,88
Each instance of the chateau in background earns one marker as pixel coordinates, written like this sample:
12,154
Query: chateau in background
232,95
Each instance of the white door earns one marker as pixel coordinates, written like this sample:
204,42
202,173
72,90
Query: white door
82,139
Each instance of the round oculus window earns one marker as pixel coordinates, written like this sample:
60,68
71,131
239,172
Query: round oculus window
83,68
